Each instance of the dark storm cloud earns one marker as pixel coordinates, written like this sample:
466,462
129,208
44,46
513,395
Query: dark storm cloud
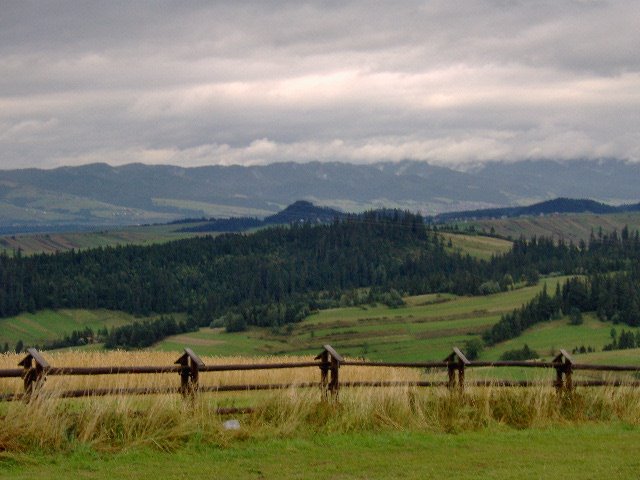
196,83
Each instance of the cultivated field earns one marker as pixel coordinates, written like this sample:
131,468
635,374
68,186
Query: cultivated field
475,245
425,329
49,325
478,246
60,242
574,227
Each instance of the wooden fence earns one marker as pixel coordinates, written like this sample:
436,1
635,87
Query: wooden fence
35,369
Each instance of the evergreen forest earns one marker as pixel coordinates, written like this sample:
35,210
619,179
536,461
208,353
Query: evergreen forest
278,275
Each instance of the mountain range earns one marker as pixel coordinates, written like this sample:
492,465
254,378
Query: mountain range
100,194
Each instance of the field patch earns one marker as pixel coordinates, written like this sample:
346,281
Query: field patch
478,246
598,451
48,325
568,227
30,244
425,329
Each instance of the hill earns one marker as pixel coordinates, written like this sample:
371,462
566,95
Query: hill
300,211
100,194
567,227
558,205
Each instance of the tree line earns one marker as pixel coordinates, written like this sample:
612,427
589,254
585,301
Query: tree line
262,275
614,297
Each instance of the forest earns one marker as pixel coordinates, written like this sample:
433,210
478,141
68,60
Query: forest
277,275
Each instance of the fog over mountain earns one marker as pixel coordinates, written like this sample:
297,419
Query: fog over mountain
100,194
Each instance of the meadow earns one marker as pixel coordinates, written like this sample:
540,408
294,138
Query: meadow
426,328
569,227
30,244
478,246
48,325
488,431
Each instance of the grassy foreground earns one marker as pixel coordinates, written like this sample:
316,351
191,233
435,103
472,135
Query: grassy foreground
399,432
586,452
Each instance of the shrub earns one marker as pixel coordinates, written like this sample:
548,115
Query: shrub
575,317
234,322
524,353
489,287
473,348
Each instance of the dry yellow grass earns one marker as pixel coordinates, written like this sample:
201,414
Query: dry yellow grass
147,358
168,421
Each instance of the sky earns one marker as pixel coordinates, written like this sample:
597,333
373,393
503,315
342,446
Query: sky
189,83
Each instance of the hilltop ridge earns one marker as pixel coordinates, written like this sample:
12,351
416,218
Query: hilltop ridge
100,194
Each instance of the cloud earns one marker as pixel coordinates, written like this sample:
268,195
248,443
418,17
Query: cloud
195,83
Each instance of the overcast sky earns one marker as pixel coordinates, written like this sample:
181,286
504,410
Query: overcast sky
197,83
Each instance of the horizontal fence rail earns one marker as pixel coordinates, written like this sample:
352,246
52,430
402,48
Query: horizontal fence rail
35,369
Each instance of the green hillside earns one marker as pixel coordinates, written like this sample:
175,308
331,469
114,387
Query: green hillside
48,325
478,246
574,227
59,242
426,328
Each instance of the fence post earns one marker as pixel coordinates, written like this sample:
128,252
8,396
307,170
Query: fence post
456,361
33,376
189,372
564,367
329,362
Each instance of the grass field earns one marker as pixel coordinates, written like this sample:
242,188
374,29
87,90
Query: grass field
585,452
573,227
426,329
48,325
477,246
60,242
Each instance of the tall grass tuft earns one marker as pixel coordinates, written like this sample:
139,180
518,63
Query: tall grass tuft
169,421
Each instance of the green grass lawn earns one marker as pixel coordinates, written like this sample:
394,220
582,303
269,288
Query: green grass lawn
585,452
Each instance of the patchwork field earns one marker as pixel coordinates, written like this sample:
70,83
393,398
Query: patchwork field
425,329
478,246
48,325
59,242
574,227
